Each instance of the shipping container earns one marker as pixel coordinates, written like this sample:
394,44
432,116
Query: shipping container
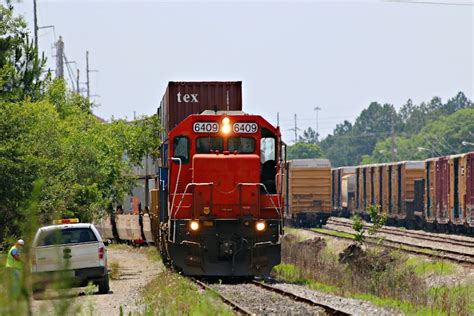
309,190
182,99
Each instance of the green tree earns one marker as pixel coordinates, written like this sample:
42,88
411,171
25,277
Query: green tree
441,137
20,65
309,136
304,151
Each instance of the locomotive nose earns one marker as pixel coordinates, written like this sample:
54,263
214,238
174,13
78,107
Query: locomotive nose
226,171
235,185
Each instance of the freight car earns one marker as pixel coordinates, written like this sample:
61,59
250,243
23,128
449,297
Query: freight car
308,192
436,194
131,228
449,194
392,187
343,189
219,205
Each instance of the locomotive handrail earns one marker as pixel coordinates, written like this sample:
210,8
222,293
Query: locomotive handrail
265,188
174,214
177,179
273,203
281,174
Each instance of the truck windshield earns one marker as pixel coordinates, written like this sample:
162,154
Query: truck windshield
65,236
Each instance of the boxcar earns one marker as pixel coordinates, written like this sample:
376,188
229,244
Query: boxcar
309,192
343,187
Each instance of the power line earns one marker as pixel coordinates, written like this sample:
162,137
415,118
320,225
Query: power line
295,129
464,4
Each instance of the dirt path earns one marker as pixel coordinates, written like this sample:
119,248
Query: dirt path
135,270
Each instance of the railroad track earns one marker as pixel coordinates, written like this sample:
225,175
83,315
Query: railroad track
234,305
450,255
413,234
327,309
283,295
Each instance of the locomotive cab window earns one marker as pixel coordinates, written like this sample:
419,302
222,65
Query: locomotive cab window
244,145
268,160
181,148
206,145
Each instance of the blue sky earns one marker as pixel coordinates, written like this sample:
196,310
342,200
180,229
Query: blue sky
291,55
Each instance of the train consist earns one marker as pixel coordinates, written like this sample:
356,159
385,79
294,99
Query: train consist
436,194
219,203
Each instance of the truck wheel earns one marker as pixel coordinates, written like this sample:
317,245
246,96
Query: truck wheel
104,285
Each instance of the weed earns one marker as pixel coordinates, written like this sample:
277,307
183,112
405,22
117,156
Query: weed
453,300
423,267
389,279
114,273
171,294
334,233
376,217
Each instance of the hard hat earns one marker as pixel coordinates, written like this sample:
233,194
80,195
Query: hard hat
21,242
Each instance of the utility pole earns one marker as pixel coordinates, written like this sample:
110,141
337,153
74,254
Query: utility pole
60,58
35,24
317,109
88,83
87,77
295,129
78,90
393,143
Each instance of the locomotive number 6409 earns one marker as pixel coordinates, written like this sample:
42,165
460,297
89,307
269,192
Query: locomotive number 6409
205,127
245,128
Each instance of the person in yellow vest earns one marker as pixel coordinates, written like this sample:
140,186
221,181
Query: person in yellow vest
15,265
14,260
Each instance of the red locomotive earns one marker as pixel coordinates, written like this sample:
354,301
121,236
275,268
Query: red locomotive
220,185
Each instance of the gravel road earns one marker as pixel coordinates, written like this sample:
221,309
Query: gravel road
135,270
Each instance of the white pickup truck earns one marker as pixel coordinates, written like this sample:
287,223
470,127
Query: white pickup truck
69,255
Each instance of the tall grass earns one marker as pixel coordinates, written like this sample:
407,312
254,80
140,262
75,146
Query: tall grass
388,278
15,288
171,294
16,293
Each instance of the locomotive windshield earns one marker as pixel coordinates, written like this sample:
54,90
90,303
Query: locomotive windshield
244,145
181,148
205,145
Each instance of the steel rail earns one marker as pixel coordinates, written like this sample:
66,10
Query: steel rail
468,258
236,307
412,234
329,310
453,252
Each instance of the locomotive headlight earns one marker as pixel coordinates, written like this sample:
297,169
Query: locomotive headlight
261,226
225,125
194,225
226,128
